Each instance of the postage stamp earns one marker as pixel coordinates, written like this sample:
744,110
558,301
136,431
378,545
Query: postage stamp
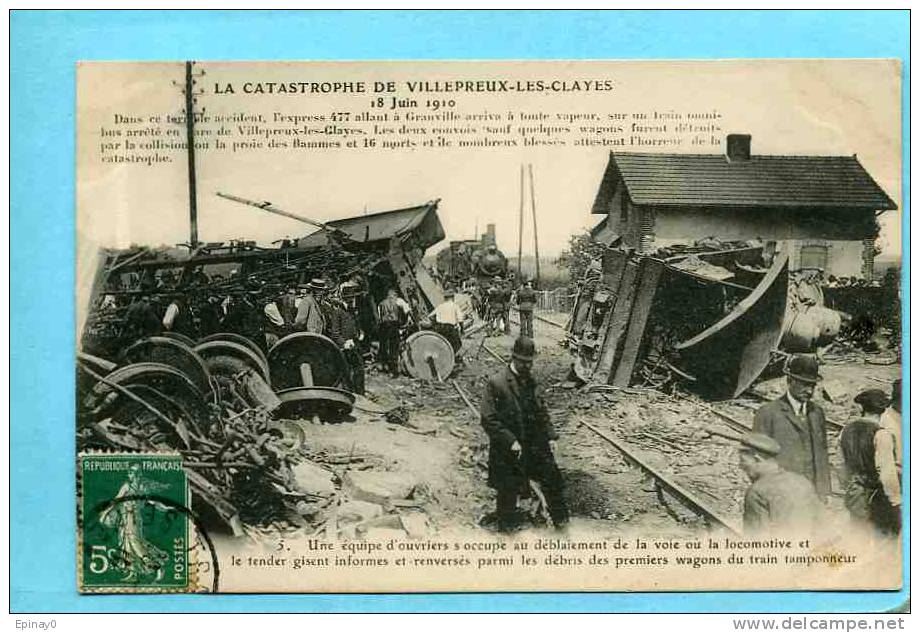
134,523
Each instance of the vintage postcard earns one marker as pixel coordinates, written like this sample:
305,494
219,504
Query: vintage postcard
488,326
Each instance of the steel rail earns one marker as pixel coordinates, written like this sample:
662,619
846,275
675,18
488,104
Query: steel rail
675,489
465,398
542,318
545,320
494,354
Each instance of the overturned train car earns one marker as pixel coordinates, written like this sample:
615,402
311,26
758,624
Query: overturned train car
648,320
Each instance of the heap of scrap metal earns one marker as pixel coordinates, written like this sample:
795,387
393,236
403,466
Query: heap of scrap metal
223,401
384,249
213,403
710,316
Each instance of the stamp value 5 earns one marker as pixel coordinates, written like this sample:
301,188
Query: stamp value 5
134,527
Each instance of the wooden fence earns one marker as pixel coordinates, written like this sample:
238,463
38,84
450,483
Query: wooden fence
558,300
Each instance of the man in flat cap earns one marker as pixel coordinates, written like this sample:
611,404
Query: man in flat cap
869,473
778,501
309,314
798,426
520,440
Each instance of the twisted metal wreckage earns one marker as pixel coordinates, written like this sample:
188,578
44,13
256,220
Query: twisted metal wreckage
713,316
223,401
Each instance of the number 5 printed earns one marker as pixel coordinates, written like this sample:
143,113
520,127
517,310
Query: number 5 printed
98,559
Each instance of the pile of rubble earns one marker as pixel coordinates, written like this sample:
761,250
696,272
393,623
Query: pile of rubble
245,449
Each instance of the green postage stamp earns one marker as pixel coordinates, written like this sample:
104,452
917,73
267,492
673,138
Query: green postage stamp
134,523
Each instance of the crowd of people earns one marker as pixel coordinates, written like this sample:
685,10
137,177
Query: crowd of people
785,456
346,313
492,301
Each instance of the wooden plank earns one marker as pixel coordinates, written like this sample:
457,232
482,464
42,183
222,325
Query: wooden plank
642,304
430,289
405,278
616,322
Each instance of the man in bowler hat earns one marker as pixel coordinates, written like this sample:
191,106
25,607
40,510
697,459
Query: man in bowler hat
798,426
520,439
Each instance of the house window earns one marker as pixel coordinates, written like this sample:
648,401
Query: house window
813,256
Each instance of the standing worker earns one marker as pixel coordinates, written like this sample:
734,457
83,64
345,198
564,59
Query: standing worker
309,315
210,315
347,335
526,299
891,421
778,501
495,299
141,320
390,316
275,327
287,306
798,426
870,474
521,439
245,319
448,320
507,286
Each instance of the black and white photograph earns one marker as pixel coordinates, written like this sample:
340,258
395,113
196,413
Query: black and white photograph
488,326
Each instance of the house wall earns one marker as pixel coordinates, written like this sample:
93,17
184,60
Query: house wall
625,218
845,258
843,232
767,224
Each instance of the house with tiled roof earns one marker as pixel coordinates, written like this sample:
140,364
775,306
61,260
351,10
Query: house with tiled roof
823,207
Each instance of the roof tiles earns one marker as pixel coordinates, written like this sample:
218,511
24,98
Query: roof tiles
761,181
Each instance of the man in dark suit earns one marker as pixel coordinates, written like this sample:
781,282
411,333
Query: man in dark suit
520,435
797,424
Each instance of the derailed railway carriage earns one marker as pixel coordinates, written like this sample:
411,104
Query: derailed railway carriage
654,319
695,283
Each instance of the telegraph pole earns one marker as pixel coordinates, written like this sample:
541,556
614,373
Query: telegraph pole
521,226
190,136
533,206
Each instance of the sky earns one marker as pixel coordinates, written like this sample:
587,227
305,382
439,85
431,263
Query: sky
841,107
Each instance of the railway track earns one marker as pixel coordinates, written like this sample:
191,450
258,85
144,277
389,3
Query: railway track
738,424
665,482
539,317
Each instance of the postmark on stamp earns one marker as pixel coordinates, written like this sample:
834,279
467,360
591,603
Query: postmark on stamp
134,523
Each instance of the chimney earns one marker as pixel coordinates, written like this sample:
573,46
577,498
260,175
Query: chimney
738,147
489,236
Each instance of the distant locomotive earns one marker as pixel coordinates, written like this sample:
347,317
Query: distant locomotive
464,259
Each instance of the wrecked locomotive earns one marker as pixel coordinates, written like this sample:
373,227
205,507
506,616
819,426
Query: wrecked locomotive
464,259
